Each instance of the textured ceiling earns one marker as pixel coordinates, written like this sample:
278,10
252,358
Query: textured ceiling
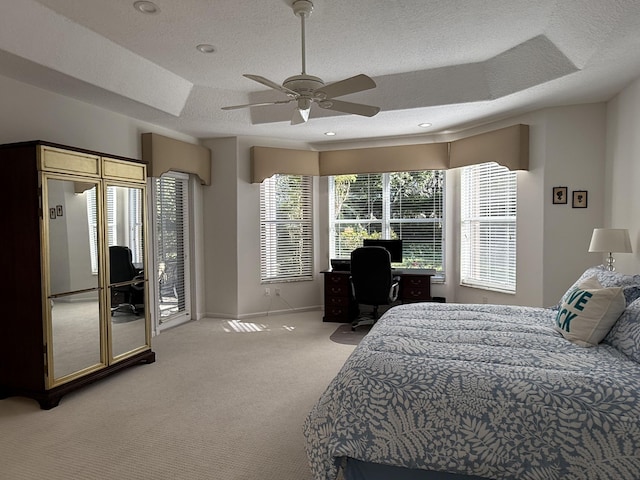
452,63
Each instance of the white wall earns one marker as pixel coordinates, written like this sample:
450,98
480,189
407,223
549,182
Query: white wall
622,191
232,238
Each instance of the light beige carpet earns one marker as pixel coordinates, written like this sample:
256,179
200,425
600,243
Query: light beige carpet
224,400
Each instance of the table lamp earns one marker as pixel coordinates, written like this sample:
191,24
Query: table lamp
610,240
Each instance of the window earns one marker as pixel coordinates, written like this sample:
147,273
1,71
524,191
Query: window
286,230
488,227
404,205
124,221
172,245
92,216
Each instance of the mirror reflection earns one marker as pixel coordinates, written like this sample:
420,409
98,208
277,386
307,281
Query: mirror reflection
75,321
73,276
126,268
74,271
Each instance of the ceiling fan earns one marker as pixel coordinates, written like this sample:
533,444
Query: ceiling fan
306,89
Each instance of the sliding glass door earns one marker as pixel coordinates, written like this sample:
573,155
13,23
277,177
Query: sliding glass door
171,193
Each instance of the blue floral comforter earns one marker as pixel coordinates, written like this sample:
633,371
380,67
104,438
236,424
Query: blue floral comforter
481,390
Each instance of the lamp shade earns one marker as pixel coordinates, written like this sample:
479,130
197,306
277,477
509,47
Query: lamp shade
612,240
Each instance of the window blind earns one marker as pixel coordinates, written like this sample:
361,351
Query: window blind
404,205
488,227
92,217
286,229
171,229
135,233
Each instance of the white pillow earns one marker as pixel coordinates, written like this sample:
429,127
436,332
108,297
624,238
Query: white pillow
588,311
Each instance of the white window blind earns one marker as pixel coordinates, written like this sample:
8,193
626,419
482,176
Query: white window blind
135,224
286,229
92,217
488,227
171,228
403,205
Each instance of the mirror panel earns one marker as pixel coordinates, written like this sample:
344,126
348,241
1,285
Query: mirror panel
127,292
75,322
74,309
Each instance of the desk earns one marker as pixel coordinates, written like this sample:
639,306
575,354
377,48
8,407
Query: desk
340,306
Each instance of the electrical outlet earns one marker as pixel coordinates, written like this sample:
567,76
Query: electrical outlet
267,292
277,292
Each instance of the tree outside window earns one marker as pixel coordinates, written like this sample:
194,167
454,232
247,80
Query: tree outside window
404,205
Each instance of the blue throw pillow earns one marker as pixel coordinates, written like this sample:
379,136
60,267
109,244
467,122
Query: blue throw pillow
625,334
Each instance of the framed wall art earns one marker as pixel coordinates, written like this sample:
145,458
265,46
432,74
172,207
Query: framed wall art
560,194
579,199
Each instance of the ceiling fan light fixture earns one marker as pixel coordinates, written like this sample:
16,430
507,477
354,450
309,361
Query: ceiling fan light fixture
305,89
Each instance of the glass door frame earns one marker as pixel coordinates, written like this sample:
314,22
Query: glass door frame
185,316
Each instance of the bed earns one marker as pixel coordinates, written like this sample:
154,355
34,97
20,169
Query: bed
455,391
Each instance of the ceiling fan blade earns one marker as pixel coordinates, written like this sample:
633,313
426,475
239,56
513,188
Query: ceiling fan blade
269,83
349,107
235,107
344,87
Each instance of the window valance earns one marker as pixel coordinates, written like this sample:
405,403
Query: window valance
165,154
403,158
507,146
267,161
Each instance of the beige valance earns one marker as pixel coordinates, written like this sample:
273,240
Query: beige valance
507,146
403,158
165,154
267,161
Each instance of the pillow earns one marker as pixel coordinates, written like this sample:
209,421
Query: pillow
588,311
606,278
625,334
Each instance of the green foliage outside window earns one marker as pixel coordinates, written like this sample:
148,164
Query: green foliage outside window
406,205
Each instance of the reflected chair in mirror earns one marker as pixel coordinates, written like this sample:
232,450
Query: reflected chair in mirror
128,298
372,281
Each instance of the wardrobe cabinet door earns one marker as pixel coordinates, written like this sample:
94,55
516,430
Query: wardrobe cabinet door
127,282
73,318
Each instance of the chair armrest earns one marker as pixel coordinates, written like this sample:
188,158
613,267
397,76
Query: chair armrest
395,289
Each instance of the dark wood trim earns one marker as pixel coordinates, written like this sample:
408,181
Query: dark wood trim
49,399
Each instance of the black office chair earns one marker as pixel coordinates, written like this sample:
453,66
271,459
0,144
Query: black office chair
128,297
372,281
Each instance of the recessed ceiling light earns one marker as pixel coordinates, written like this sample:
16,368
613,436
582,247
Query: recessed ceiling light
206,48
424,125
146,7
330,134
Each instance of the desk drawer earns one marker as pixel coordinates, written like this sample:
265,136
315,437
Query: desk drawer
337,285
337,314
336,301
415,294
416,281
415,288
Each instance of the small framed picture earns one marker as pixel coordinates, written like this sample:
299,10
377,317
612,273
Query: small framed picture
52,213
579,199
560,194
59,210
